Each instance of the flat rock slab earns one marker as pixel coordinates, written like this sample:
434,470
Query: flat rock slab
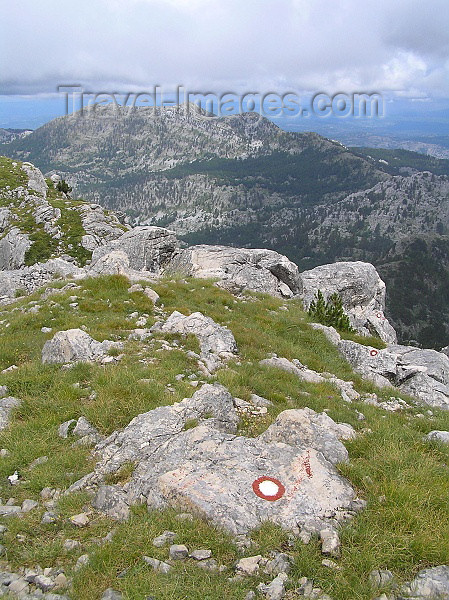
235,482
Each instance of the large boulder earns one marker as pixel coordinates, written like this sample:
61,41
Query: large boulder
238,269
233,481
117,263
147,248
36,181
75,345
13,247
216,342
362,292
379,366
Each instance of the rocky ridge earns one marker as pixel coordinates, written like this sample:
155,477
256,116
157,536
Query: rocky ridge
192,456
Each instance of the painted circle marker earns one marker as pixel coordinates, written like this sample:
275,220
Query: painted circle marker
268,488
373,352
379,315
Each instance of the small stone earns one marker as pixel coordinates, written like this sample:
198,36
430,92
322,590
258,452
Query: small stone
10,502
281,563
276,589
157,565
82,561
250,596
3,529
111,594
46,329
47,493
380,577
209,565
30,575
4,453
44,583
61,581
201,554
330,542
164,539
49,517
81,520
249,566
71,545
28,505
178,552
330,564
19,587
38,461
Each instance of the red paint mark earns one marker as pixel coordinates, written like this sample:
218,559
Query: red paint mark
374,353
306,467
260,494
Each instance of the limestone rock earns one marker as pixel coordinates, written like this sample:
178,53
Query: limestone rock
250,565
7,405
346,388
32,278
439,436
379,366
431,584
164,539
362,292
147,248
13,247
36,180
239,269
158,565
100,226
75,345
111,500
178,552
274,590
216,342
111,594
305,428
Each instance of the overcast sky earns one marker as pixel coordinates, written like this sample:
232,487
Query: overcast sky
399,46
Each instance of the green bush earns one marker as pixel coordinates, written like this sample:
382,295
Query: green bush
330,313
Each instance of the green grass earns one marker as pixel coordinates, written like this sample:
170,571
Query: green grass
405,481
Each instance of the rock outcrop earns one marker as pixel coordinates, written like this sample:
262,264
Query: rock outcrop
239,269
75,345
362,292
234,481
217,343
147,248
13,247
429,584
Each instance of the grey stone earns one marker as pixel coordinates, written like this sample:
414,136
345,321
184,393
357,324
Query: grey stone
44,583
111,500
346,388
75,345
439,436
239,269
82,561
158,565
432,583
378,366
70,545
201,554
306,428
111,594
330,543
250,565
19,587
216,342
10,511
7,405
147,248
80,520
49,517
362,292
164,539
205,468
380,577
13,248
274,590
280,563
29,505
178,552
36,180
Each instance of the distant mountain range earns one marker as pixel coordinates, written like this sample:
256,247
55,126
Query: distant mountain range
240,180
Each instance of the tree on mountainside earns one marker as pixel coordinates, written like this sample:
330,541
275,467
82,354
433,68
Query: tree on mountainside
330,313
